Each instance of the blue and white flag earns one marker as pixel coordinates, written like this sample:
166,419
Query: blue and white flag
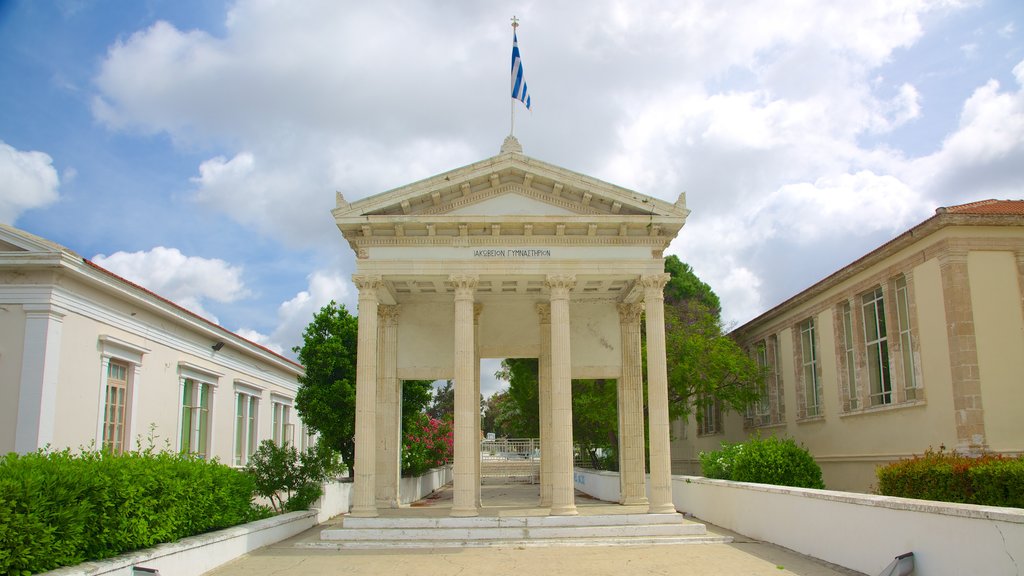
519,91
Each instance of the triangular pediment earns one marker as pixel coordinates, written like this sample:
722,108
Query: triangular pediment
538,184
14,240
512,203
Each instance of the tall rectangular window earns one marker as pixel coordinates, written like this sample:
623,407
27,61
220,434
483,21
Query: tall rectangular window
763,409
246,409
809,359
195,414
876,346
282,424
116,406
850,357
710,421
776,380
906,338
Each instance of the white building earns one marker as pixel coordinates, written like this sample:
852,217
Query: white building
88,358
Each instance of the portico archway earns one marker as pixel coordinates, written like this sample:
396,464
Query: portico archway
511,257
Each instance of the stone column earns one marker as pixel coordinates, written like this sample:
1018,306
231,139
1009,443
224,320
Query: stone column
40,364
544,397
563,502
657,395
632,468
477,308
963,353
466,437
364,501
389,409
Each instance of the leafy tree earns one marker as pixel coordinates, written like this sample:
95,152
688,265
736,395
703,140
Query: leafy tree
288,479
326,399
443,402
522,421
705,365
685,286
416,395
595,425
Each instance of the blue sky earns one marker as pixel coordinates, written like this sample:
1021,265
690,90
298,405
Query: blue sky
195,146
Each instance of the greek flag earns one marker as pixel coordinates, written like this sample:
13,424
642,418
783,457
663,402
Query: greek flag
519,91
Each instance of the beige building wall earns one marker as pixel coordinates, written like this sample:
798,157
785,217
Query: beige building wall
12,339
102,317
1000,337
963,286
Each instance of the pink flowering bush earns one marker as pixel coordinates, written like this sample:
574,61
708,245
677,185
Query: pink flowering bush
427,443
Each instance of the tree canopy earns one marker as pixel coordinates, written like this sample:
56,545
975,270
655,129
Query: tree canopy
326,399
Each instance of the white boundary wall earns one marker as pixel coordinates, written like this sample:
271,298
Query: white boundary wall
198,554
863,532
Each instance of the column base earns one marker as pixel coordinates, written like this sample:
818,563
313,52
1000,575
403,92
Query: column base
363,512
662,509
634,501
567,510
464,512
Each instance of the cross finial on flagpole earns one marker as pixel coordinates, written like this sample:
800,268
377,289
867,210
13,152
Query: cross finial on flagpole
515,22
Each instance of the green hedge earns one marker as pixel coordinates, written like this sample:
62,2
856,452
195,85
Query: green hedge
990,479
764,460
59,509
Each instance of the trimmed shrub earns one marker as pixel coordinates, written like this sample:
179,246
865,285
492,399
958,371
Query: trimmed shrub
764,460
59,509
989,479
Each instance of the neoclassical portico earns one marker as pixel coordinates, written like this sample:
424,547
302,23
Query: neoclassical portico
510,257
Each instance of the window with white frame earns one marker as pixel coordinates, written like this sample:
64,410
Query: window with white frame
115,409
775,380
246,424
195,418
120,363
906,338
283,428
876,345
809,365
849,359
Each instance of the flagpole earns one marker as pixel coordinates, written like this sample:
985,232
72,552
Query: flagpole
512,101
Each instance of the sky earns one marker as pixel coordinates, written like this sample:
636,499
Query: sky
195,146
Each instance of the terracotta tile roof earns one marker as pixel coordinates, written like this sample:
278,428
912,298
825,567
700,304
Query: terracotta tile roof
1008,207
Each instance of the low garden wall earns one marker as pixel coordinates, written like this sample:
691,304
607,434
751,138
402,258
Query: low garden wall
863,532
198,554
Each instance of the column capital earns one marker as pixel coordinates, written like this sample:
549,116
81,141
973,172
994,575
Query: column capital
464,285
654,282
560,285
367,283
630,313
544,311
389,314
477,309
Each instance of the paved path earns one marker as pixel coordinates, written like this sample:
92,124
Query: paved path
743,557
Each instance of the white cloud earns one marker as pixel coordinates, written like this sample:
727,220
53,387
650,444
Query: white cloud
27,180
984,156
189,281
295,314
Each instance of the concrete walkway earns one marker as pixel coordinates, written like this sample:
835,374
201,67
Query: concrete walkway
294,557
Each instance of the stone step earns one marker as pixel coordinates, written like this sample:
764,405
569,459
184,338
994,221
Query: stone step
382,522
493,543
588,530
